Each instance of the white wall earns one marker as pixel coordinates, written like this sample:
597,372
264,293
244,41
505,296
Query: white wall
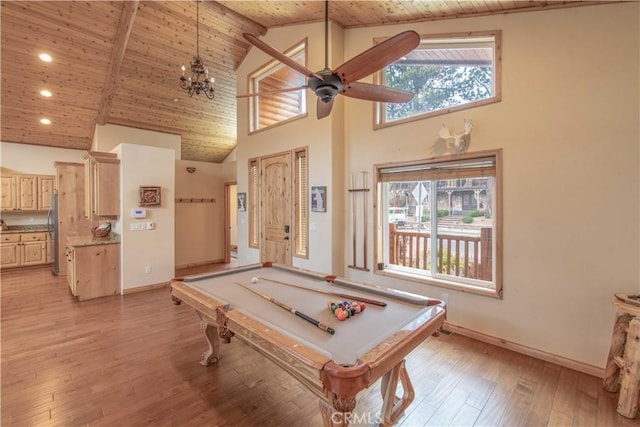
568,125
142,165
35,160
199,232
107,137
315,134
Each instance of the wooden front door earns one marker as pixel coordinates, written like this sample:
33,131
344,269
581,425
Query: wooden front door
276,209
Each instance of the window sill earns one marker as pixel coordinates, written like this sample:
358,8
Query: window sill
477,290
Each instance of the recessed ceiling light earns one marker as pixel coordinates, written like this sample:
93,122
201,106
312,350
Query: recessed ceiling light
46,93
45,57
45,121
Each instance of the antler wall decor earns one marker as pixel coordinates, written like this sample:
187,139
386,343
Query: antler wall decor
457,141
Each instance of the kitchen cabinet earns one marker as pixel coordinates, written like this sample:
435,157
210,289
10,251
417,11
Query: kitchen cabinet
26,192
45,191
7,192
70,182
102,184
23,249
93,269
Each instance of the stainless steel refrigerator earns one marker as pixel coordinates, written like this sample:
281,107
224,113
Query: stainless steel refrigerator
52,226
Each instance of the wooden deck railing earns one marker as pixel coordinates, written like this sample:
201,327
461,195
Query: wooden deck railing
458,255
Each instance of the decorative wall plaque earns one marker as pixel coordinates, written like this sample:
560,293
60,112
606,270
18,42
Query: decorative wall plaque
149,196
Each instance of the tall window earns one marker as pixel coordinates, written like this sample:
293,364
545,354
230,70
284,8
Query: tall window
301,207
441,221
252,205
277,108
446,73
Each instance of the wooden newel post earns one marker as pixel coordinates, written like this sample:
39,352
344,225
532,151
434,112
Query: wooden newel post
486,254
630,384
611,380
392,243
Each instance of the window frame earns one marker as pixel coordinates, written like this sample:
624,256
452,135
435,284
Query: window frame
265,71
301,202
253,202
381,235
379,108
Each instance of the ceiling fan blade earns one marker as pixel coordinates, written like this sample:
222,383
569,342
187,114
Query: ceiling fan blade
378,56
272,92
377,93
323,108
274,53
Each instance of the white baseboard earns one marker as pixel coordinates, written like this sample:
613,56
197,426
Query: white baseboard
519,348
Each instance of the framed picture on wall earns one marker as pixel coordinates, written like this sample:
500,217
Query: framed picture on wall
319,199
242,202
148,196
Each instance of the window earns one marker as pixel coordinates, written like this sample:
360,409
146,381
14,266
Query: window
301,207
446,73
252,206
440,221
277,108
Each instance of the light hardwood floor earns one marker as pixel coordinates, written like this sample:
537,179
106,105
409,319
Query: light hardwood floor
133,361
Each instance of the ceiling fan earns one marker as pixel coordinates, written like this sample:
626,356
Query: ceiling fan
328,83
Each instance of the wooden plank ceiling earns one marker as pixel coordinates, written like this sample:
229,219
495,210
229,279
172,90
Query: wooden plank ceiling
119,62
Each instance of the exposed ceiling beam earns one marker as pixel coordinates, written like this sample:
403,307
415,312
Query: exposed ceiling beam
117,55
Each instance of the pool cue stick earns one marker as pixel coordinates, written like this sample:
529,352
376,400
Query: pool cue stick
292,310
352,297
364,204
353,215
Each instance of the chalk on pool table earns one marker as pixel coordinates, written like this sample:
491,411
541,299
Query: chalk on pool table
254,279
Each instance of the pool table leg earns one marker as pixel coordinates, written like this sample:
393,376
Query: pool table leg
392,405
332,417
210,332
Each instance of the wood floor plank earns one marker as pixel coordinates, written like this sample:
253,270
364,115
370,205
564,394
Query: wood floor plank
133,360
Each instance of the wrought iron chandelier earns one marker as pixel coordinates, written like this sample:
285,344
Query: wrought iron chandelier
198,81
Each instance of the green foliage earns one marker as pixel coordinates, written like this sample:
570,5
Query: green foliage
437,87
452,262
467,219
476,213
442,212
426,217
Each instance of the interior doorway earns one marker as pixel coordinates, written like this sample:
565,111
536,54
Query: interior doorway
230,222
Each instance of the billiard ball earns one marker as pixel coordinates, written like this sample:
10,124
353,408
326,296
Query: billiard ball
254,279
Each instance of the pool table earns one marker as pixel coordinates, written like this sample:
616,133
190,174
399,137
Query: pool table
368,346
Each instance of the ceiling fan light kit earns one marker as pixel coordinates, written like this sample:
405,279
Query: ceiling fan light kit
328,83
198,81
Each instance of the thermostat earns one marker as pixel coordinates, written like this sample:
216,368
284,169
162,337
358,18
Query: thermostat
138,213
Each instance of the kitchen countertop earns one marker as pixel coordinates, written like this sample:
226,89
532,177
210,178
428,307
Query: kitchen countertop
76,241
25,228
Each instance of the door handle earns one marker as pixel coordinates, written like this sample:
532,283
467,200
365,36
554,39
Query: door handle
286,228
286,237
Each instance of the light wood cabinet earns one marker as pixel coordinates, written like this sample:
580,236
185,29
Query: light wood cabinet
102,184
93,271
26,192
45,192
71,213
10,251
8,193
23,249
